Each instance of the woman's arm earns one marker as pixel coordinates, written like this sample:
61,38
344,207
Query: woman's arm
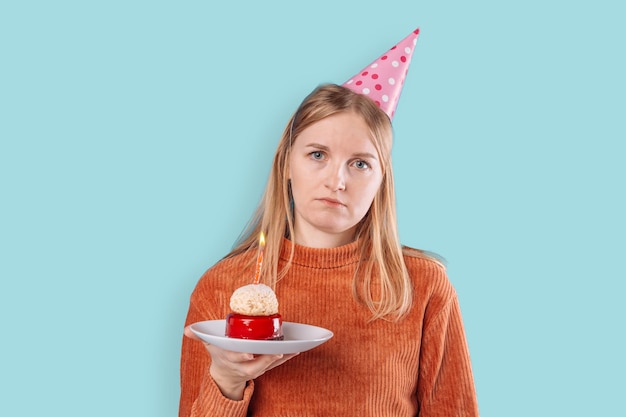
446,385
215,381
199,394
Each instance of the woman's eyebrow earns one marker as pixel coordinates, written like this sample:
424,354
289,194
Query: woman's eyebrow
356,154
365,155
318,146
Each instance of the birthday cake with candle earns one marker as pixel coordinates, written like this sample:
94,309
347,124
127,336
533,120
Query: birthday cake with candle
255,314
255,308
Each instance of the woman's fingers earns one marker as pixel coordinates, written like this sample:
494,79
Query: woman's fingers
281,360
242,365
191,334
263,363
245,365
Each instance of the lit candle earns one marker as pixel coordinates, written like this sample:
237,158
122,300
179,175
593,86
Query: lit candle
259,259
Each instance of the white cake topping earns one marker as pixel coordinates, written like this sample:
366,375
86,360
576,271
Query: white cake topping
254,300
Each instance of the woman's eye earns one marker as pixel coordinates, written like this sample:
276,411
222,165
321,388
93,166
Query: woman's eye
361,164
317,155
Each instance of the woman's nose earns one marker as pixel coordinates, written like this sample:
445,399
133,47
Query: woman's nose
336,180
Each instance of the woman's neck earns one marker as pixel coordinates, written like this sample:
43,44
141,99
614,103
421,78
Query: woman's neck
320,239
320,258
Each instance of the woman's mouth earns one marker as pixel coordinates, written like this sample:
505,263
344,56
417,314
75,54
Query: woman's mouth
331,202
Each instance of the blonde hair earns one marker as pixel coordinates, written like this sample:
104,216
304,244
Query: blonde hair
381,251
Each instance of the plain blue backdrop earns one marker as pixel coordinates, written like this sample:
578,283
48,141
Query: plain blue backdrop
136,138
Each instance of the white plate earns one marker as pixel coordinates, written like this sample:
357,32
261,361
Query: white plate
298,338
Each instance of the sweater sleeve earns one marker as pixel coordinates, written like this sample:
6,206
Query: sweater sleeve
446,385
199,395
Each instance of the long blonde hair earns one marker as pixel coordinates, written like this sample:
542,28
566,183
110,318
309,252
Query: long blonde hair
381,251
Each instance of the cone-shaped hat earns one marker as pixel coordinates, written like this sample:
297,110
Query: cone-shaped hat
382,80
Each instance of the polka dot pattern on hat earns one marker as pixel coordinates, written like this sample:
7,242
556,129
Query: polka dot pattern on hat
391,67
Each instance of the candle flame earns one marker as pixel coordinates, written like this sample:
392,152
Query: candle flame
262,240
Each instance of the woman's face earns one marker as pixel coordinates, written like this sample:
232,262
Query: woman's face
335,173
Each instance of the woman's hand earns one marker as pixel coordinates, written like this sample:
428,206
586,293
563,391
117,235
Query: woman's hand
232,370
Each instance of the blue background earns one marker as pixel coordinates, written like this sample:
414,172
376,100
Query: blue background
136,138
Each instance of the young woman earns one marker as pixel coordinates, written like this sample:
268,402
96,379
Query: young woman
335,261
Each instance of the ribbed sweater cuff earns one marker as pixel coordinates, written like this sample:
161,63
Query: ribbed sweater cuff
211,401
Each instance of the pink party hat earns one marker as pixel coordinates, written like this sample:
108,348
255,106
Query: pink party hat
382,80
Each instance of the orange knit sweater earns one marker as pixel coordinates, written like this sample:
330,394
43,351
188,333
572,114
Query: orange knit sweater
417,366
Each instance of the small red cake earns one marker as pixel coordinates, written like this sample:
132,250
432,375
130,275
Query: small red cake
255,314
241,326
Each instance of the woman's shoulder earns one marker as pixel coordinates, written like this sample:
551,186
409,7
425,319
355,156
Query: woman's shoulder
225,275
210,297
421,259
232,262
428,275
